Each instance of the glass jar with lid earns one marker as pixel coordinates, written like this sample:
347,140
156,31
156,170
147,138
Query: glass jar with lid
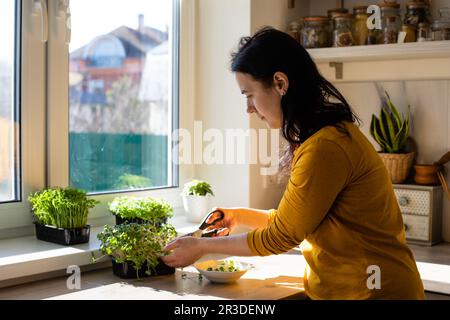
389,9
315,32
417,12
390,31
446,34
372,36
332,12
360,30
342,33
423,32
441,27
410,33
294,30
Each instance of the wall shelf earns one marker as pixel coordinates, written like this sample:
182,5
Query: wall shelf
413,50
385,62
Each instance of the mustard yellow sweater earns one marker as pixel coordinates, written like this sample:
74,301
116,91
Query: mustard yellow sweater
340,205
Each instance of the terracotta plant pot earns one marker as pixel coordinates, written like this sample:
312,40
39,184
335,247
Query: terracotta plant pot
398,165
426,174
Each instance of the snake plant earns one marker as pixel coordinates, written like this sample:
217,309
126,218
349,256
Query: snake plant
391,130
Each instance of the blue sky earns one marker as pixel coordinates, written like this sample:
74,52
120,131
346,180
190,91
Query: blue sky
89,21
91,18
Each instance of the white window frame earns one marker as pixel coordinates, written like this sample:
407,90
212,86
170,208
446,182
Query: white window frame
45,114
15,218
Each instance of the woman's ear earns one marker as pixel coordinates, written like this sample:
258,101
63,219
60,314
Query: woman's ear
281,82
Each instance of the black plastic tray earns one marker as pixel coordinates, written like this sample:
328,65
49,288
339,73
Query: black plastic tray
66,237
126,270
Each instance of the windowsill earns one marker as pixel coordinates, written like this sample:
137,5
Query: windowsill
26,259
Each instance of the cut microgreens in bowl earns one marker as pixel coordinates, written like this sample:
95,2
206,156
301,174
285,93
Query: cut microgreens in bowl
226,266
222,271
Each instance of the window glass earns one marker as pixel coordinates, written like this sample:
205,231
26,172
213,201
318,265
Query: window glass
120,94
9,149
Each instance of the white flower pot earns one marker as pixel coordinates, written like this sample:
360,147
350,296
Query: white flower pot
196,207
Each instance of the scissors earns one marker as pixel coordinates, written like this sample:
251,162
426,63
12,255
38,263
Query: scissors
199,233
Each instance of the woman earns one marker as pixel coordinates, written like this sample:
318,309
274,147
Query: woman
339,202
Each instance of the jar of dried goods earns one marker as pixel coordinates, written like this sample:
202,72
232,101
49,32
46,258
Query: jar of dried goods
390,31
315,32
417,12
389,9
410,33
423,32
342,33
441,27
294,30
360,31
332,12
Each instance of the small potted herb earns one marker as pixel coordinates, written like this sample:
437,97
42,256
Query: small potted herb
196,199
128,209
136,249
61,215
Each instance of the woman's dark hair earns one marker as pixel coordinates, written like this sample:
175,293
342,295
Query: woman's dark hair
311,102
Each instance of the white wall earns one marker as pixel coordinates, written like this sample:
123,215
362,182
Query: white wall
218,101
273,13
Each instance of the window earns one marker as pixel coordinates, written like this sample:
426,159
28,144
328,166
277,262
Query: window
9,124
121,95
86,104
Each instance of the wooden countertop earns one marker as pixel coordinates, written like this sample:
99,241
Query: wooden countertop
274,277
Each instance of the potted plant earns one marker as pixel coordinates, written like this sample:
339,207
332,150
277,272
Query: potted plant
128,209
196,199
61,215
135,249
391,132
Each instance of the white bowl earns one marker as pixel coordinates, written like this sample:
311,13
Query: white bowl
221,276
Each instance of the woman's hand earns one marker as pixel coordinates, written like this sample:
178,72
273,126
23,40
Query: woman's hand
224,226
185,251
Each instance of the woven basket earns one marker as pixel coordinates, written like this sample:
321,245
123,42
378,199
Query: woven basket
398,165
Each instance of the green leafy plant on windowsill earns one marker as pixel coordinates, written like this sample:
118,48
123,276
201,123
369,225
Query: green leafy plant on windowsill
66,208
145,208
197,196
197,188
138,244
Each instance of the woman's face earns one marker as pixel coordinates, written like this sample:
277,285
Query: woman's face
264,101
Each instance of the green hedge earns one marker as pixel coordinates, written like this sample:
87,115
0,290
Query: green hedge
103,162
